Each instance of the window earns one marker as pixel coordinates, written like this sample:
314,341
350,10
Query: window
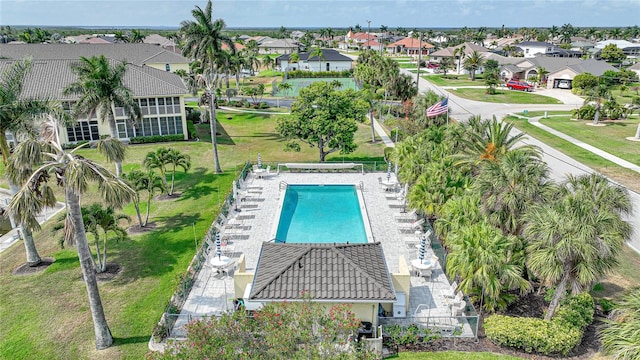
167,67
83,131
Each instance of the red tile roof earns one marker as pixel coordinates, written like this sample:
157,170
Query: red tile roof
411,43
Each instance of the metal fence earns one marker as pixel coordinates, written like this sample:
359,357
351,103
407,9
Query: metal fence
465,326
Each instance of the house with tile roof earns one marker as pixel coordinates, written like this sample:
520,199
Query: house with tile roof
535,48
632,50
331,60
355,274
525,68
410,46
278,46
159,93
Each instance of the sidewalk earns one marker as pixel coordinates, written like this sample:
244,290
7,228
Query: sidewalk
535,121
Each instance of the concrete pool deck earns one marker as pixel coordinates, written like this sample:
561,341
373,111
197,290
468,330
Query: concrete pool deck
212,293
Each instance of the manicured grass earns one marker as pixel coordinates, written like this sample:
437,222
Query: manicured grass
629,178
46,315
407,65
610,138
504,96
455,80
623,277
451,355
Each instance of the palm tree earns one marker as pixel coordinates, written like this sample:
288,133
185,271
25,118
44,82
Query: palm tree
488,263
317,52
268,61
473,63
101,88
136,36
144,181
445,64
508,187
459,52
177,159
294,58
73,173
491,143
285,87
621,336
203,41
158,160
17,115
574,239
97,218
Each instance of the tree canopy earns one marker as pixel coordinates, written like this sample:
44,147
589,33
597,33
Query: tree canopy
325,118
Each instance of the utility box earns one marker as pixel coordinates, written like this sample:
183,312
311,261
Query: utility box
400,305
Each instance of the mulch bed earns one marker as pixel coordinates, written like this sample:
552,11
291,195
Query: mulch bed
113,269
25,269
175,195
137,229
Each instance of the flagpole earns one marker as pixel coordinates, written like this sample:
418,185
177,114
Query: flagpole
447,109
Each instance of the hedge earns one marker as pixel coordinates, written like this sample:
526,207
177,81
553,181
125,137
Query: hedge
294,74
155,139
558,336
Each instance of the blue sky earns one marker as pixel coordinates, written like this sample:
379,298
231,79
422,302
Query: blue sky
327,13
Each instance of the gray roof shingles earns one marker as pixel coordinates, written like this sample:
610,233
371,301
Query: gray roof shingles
331,272
137,54
48,78
328,54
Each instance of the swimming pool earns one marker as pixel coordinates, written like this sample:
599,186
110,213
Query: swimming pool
322,214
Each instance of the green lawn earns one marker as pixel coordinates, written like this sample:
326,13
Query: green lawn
455,80
451,355
407,65
504,96
46,315
627,177
610,138
532,114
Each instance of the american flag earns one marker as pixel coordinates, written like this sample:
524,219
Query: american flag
438,108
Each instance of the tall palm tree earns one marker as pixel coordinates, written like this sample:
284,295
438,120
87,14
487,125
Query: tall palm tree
268,61
73,173
508,187
17,116
473,62
100,87
574,239
317,52
285,87
459,52
203,41
177,160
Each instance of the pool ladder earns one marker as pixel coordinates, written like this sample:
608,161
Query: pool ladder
283,185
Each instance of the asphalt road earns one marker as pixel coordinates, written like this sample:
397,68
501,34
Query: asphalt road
560,165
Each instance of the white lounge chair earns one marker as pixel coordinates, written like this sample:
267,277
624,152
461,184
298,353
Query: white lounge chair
416,225
411,215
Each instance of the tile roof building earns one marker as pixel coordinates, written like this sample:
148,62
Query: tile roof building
327,272
158,92
331,60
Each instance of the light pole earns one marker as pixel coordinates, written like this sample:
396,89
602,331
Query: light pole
419,60
369,34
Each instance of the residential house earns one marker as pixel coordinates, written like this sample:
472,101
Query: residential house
635,68
526,68
453,52
138,54
331,274
410,46
159,93
632,50
161,41
563,78
535,48
278,46
331,60
356,40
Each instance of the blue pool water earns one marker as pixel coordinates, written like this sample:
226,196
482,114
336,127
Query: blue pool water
321,214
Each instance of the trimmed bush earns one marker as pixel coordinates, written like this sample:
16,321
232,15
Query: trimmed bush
155,139
558,336
294,74
532,335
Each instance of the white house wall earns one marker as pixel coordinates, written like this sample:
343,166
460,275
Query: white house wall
564,74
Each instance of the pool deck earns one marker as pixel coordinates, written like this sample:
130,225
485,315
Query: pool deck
212,293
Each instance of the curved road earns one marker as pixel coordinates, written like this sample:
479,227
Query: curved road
559,164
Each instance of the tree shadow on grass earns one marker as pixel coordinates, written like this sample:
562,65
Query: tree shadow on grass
204,134
263,135
130,340
196,184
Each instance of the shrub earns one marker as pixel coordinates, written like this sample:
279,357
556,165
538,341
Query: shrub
155,139
586,112
558,336
191,129
532,335
294,74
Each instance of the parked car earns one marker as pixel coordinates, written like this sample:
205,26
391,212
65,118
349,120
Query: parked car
518,85
564,84
433,66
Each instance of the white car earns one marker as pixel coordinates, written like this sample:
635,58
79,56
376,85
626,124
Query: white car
564,84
